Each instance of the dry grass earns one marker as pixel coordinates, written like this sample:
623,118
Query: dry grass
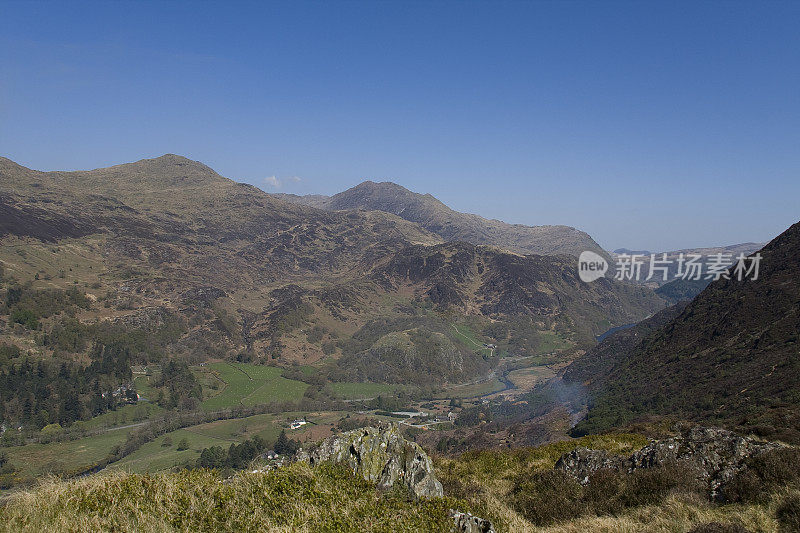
305,499
678,514
295,498
486,480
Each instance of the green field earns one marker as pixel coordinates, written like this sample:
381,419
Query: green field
59,457
243,384
248,384
123,416
142,384
363,391
468,337
527,378
551,342
472,390
264,426
153,456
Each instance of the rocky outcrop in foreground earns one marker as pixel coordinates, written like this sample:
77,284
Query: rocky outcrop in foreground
468,523
716,455
381,455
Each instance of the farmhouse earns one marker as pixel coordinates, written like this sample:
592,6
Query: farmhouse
297,424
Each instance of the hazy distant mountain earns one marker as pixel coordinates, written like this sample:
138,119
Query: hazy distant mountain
746,248
677,289
631,252
732,356
452,225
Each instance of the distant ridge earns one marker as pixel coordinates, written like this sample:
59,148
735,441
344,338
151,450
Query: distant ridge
436,217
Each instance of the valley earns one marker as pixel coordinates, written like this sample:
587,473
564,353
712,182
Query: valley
140,337
378,267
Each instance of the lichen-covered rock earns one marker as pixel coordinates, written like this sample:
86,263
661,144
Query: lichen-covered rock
468,523
583,462
381,455
715,454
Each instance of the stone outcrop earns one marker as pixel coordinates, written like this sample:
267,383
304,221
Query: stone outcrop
716,455
468,523
381,455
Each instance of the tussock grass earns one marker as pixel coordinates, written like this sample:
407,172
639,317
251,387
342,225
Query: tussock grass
487,479
491,466
330,499
295,498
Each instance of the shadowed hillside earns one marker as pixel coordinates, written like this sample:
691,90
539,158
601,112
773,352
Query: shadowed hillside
732,355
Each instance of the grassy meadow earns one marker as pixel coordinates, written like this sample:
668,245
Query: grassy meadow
34,460
248,385
365,391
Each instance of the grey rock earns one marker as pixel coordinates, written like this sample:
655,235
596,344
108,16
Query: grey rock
583,462
468,523
380,455
715,454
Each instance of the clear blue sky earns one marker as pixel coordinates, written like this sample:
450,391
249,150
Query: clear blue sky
651,126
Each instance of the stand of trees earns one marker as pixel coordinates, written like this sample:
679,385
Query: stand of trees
44,392
238,456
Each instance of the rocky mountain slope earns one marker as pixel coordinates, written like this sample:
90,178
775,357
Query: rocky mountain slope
731,355
234,272
595,366
452,225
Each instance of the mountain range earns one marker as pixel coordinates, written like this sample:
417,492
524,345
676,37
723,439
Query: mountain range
248,275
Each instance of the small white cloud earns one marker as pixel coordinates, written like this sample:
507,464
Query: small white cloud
272,181
276,183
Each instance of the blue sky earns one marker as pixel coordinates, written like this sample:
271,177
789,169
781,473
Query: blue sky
649,125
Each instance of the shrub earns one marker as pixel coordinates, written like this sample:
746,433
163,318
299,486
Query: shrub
328,348
8,352
764,474
651,485
547,497
553,495
51,429
26,317
788,513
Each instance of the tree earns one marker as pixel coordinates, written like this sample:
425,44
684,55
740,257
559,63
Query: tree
183,444
213,457
286,446
51,430
131,396
167,442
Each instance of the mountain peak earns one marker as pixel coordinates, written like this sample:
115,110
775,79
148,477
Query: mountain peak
434,216
166,162
386,186
8,164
